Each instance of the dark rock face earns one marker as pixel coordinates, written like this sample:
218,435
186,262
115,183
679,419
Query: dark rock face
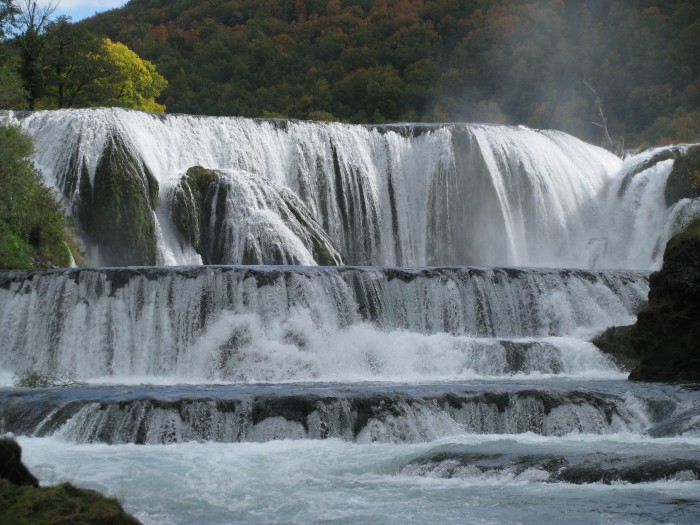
664,344
667,333
11,467
684,180
615,341
194,201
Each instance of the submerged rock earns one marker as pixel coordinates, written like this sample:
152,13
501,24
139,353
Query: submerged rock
23,502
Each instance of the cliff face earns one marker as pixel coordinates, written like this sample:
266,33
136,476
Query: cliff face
666,336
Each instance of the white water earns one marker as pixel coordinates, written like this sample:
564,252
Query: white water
280,325
334,481
402,195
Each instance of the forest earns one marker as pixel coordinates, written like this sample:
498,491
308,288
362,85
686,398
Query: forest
544,63
620,73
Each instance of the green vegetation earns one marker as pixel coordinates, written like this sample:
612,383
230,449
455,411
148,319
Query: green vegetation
517,61
56,64
34,231
188,204
121,219
133,82
60,505
599,70
48,376
22,502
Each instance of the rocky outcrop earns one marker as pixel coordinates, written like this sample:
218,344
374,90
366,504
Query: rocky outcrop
11,467
684,180
664,343
115,211
22,502
667,333
236,217
122,221
615,342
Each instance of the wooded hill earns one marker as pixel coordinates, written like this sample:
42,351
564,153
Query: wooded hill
359,61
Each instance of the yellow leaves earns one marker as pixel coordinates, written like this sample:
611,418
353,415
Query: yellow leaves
130,80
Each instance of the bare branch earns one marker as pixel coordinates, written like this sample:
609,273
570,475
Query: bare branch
603,124
33,17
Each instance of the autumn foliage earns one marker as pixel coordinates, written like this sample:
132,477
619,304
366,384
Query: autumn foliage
518,61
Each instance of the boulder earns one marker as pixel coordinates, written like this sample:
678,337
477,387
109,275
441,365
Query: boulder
23,502
11,467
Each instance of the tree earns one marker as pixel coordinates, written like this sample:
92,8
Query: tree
128,80
71,65
31,22
8,13
12,92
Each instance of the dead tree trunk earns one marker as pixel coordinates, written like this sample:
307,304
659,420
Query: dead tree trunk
608,144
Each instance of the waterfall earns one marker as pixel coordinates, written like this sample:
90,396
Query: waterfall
373,415
272,324
310,192
230,327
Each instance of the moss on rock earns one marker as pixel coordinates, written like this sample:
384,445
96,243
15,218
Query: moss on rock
684,180
616,342
121,219
23,502
199,212
198,202
60,505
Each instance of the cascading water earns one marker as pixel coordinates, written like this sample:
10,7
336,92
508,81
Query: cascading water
363,394
392,195
252,324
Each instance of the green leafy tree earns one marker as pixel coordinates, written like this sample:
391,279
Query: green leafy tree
71,65
128,80
30,23
8,13
12,93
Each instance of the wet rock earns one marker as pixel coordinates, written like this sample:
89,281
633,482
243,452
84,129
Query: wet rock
23,502
684,180
11,467
666,336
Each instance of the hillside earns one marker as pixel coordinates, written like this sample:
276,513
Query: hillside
388,60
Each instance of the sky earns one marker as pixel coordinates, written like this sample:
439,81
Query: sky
79,9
